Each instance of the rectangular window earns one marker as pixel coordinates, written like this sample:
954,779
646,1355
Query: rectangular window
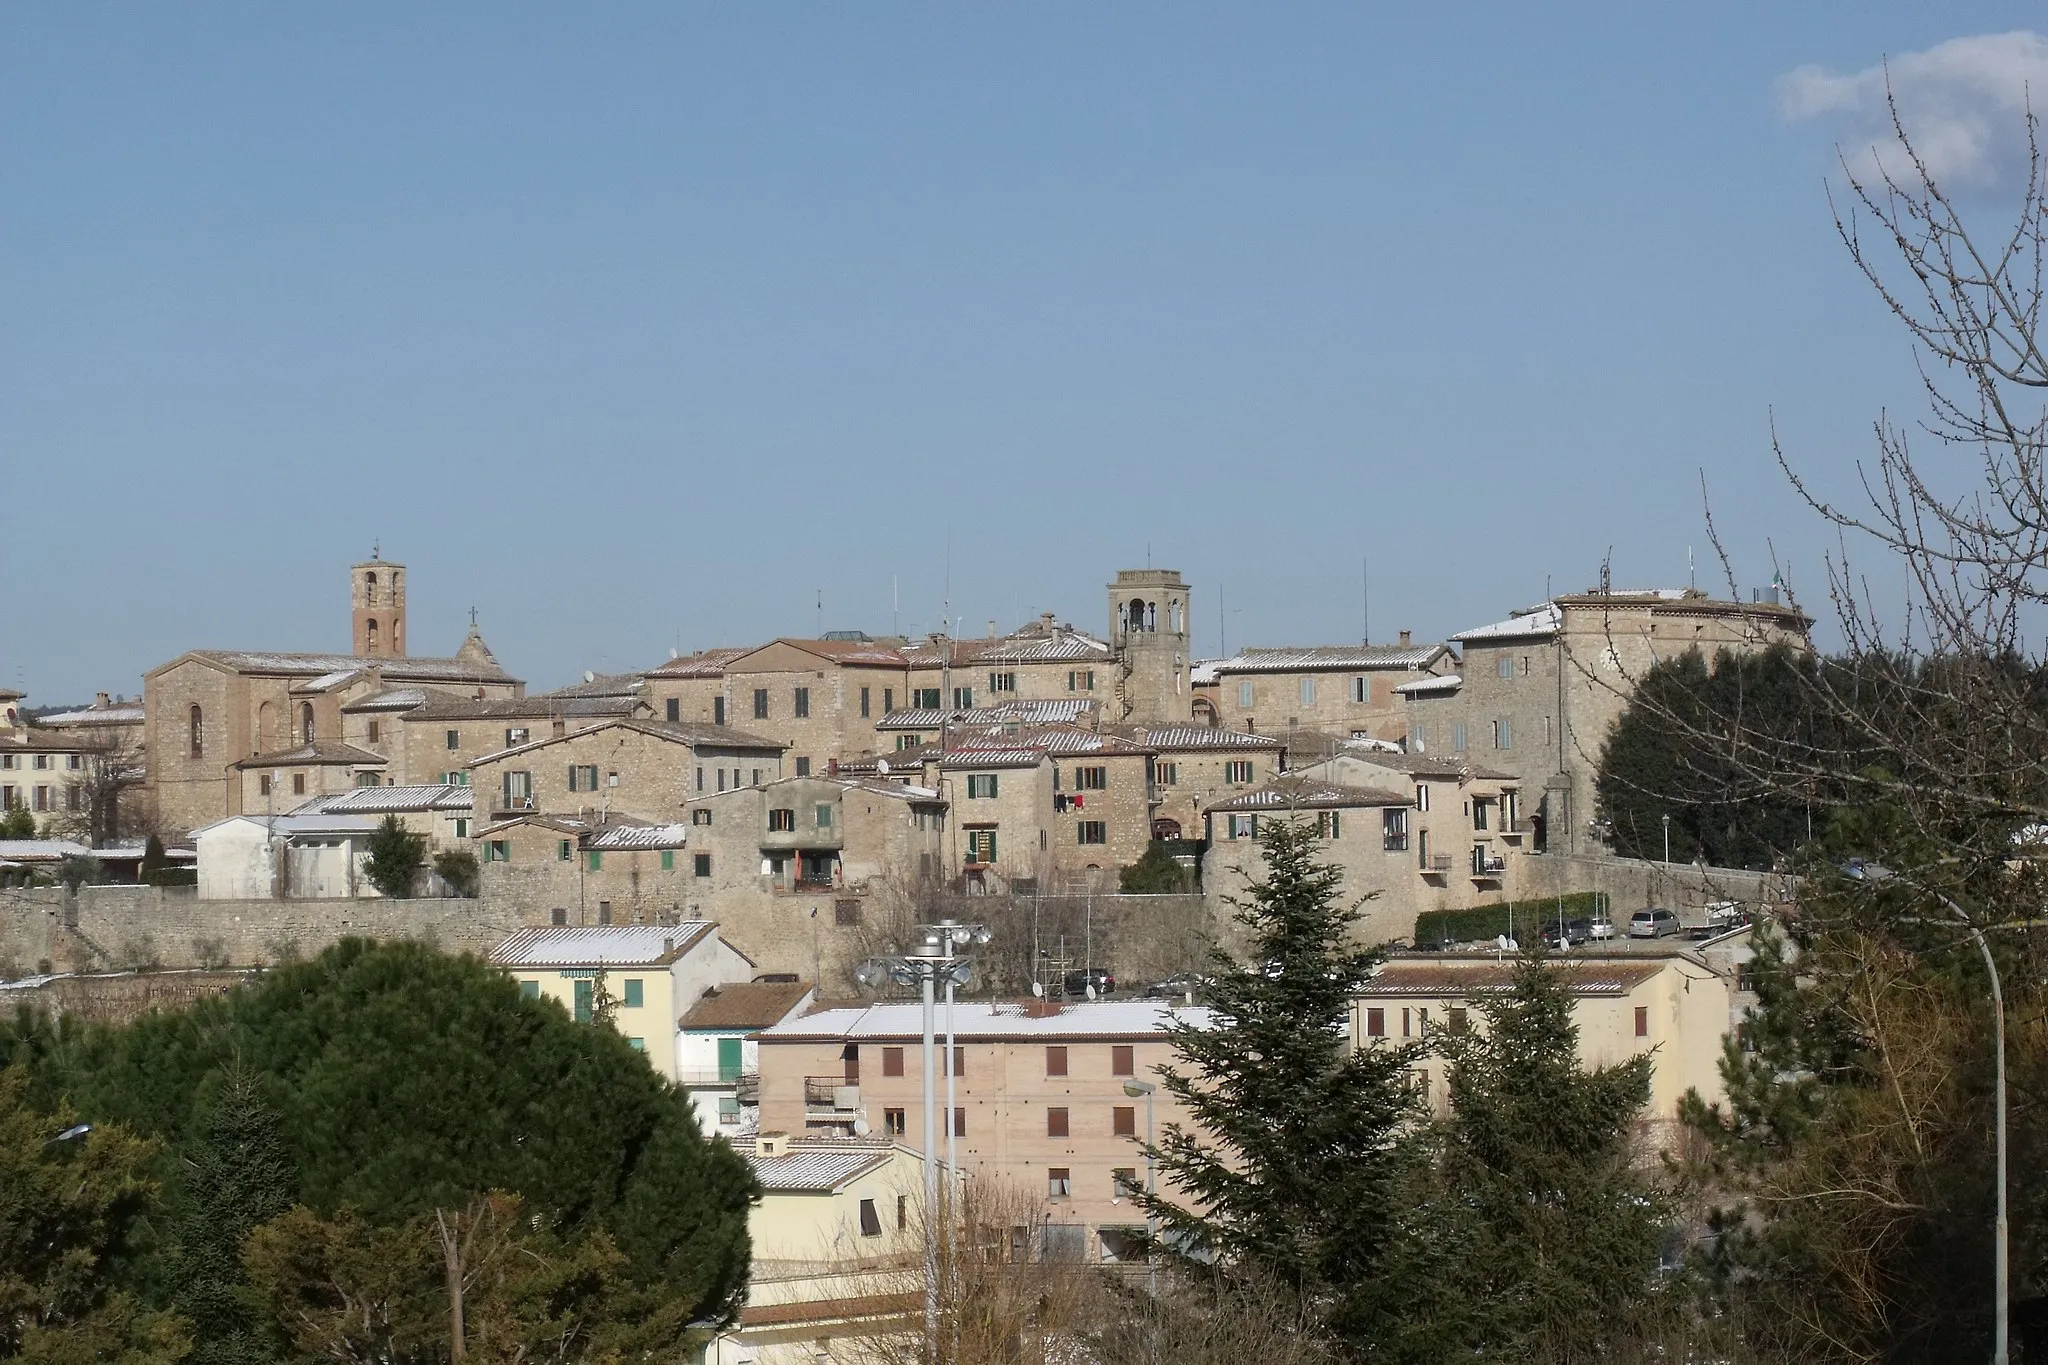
870,1221
1458,1022
461,827
298,789
1092,832
498,851
1166,774
823,815
781,821
803,702
1055,1061
373,740
981,786
454,739
981,845
516,735
701,865
888,700
999,683
959,1123
530,989
1361,690
728,1110
1081,680
604,912
959,1061
1059,1183
1505,665
596,860
564,850
1244,694
1123,1060
864,703
803,769
700,817
635,993
262,785
42,762
1123,1120
1458,736
1091,779
845,912
1407,1024
757,777
1642,1021
1376,1023
925,698
1422,797
963,699
893,1122
892,1061
1241,826
518,789
668,860
1308,691
909,741
1056,1122
1329,824
1394,830
1123,1183
1503,734
1482,812
585,1001
718,710
760,703
1238,770
582,777
675,710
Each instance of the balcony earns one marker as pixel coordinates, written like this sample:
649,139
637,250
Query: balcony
1517,830
1488,867
1438,866
831,1092
745,1084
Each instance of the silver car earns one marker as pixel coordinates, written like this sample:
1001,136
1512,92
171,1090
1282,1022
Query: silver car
1652,924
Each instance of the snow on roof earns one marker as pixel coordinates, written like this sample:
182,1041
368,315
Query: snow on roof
390,699
390,800
1183,737
321,667
813,1166
1054,739
1051,711
297,823
1449,682
94,715
686,732
40,850
1533,623
994,1020
1440,979
618,945
705,663
1301,793
1063,644
1312,658
641,836
317,754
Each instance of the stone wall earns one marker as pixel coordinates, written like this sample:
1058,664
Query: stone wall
118,997
128,927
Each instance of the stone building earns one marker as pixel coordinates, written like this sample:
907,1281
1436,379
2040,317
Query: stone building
643,769
1043,660
1150,623
435,737
1337,690
1539,692
578,871
43,771
1040,1105
207,711
819,697
1193,765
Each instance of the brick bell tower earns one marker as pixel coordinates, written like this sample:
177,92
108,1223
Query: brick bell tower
377,600
1149,628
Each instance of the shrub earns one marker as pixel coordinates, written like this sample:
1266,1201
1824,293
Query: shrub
1440,928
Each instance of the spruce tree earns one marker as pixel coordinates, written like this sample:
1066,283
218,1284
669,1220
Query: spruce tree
1543,1234
239,1176
396,856
1291,1165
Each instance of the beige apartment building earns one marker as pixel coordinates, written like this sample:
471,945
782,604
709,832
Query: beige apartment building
1640,1000
1338,690
42,771
643,769
1539,693
1040,1100
207,711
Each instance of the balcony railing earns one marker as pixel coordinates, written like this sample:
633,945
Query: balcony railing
717,1078
1437,865
831,1092
1486,868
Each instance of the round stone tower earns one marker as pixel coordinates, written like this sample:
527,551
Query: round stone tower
377,598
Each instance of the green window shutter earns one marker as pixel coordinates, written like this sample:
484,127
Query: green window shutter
728,1059
636,993
586,1005
668,860
596,860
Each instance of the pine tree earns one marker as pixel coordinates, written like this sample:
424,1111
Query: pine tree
1291,1165
153,861
17,822
240,1176
1543,1235
396,856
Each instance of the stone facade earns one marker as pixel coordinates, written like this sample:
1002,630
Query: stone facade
822,698
1193,766
641,769
1340,690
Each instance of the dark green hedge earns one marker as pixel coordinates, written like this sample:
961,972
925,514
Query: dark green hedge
1483,922
171,876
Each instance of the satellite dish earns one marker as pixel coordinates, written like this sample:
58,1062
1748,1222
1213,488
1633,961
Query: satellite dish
860,1127
589,676
675,654
882,767
1038,989
1091,990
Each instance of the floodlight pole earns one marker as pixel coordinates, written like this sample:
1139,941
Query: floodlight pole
931,1177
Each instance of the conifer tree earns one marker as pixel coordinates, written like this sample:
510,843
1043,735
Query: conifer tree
396,857
239,1175
1291,1163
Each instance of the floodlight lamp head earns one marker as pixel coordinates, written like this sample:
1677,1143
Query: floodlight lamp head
962,936
982,936
869,973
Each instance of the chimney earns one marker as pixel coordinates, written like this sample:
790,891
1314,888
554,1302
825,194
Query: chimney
1406,636
103,703
771,1144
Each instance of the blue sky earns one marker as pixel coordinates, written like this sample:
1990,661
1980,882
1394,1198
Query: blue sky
640,326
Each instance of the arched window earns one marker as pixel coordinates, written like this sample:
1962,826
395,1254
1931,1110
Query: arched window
370,634
369,590
198,721
1151,616
306,723
267,737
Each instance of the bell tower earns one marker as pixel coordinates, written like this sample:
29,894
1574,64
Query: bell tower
1149,624
377,600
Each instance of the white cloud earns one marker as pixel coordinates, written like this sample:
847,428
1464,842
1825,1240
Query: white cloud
1963,102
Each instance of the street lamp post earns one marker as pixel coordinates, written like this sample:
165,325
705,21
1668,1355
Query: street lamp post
1667,841
937,959
1150,1092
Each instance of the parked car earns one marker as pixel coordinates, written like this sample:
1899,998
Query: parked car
1569,934
1174,987
1078,981
1602,930
1652,923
